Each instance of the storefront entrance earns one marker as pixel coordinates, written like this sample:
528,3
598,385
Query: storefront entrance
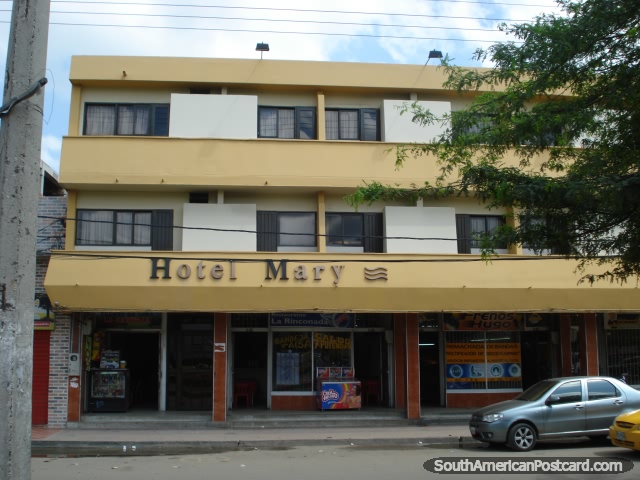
371,363
430,384
141,352
249,369
190,362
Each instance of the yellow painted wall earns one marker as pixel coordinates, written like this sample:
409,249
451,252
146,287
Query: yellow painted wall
87,283
162,162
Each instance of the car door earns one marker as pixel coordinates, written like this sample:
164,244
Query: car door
604,403
566,413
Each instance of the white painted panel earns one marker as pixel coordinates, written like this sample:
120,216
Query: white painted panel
223,217
213,116
420,222
401,128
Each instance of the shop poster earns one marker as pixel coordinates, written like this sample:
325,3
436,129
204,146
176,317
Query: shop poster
339,395
287,368
469,363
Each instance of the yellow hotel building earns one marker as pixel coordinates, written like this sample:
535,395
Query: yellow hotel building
212,264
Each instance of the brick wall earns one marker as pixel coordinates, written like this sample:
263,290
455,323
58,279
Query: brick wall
51,236
58,371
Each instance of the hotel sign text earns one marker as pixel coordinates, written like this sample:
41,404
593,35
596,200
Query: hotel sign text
162,268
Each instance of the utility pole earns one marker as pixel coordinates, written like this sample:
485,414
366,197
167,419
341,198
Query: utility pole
20,138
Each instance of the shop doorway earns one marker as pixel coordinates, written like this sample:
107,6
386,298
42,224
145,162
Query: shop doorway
141,351
190,362
249,369
371,364
430,382
537,358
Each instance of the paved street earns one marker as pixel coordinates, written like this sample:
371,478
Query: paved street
311,463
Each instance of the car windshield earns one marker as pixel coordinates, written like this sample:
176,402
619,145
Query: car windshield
535,392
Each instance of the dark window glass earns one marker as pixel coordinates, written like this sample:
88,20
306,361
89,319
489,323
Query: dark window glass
569,392
345,229
307,124
301,223
370,125
599,389
161,121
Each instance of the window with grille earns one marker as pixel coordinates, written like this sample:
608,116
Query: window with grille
287,122
113,227
126,119
352,124
472,229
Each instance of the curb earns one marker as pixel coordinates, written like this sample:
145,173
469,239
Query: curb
147,448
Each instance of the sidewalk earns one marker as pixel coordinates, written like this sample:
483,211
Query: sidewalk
92,442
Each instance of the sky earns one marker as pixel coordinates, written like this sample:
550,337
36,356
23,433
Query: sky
371,31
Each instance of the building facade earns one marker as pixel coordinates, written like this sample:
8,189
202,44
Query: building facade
212,263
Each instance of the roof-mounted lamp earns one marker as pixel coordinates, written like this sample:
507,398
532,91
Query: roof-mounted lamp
262,47
434,54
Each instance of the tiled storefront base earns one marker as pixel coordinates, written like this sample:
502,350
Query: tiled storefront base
297,402
468,400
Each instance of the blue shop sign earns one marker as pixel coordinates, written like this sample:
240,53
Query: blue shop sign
327,320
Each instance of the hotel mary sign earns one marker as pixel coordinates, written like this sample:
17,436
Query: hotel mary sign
162,268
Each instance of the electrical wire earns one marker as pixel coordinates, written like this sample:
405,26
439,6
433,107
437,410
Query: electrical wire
301,10
256,232
379,259
199,17
274,32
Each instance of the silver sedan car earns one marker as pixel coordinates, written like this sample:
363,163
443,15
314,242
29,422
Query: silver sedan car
558,407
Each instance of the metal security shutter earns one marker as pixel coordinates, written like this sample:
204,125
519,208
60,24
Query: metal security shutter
162,230
373,233
40,388
462,232
267,232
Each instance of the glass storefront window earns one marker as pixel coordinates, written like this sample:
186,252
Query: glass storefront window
483,360
332,349
292,369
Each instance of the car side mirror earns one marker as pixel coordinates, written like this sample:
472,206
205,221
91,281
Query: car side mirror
553,399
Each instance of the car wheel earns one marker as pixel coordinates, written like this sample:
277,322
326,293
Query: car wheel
522,437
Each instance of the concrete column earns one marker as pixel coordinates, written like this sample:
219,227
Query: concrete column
74,393
513,222
322,229
220,367
70,232
400,349
413,367
75,111
565,345
20,137
322,132
588,344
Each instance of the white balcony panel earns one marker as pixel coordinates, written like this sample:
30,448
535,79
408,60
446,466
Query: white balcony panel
420,222
399,127
213,116
219,217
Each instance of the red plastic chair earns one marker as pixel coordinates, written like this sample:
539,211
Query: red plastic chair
244,390
370,388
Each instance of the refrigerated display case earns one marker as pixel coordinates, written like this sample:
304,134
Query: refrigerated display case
108,390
